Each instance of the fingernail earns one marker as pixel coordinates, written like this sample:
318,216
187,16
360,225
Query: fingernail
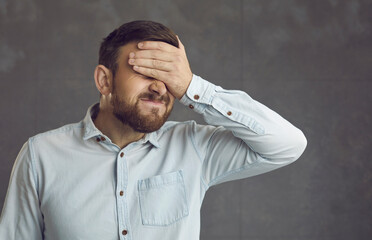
140,45
131,55
131,60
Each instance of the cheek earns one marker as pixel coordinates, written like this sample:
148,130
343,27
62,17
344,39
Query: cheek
171,102
128,82
129,92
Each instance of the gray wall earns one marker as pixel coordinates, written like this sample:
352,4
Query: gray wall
308,60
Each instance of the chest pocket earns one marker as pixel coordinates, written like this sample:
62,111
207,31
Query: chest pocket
163,199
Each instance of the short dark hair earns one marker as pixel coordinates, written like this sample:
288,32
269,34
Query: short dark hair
135,31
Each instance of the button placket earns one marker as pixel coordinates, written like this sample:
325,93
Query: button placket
122,204
121,201
121,193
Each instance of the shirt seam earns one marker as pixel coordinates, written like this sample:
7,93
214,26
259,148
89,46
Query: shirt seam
33,165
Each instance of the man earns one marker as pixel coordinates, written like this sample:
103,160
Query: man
124,172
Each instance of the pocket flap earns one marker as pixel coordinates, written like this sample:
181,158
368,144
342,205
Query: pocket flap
160,180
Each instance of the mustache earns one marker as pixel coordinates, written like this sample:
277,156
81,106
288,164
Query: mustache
155,97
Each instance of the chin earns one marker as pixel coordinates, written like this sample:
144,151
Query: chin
149,123
147,128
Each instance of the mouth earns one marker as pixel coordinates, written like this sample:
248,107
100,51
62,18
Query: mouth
152,102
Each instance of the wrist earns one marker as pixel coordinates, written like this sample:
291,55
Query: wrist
183,92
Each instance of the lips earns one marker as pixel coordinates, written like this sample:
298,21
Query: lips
154,98
155,102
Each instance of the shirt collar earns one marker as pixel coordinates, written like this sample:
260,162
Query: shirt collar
90,129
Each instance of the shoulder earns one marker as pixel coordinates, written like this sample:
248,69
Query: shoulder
67,130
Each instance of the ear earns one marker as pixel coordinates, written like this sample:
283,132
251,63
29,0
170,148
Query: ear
103,79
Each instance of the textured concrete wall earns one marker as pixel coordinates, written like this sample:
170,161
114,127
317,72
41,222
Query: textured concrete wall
308,60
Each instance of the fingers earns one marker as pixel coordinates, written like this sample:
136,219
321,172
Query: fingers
158,50
157,45
161,61
151,63
152,54
151,72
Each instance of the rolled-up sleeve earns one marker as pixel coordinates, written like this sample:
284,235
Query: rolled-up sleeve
21,217
247,138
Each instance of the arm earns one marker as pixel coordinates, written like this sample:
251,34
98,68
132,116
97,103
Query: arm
21,217
251,139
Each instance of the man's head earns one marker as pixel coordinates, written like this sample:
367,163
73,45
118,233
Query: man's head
138,101
135,31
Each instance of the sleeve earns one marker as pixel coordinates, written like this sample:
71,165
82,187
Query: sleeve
246,137
21,217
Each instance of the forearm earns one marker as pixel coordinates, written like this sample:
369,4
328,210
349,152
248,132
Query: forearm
262,129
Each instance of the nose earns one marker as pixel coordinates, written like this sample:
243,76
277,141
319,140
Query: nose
158,87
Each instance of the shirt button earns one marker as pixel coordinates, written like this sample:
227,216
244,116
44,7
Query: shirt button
103,138
229,113
121,154
124,232
191,106
121,193
196,97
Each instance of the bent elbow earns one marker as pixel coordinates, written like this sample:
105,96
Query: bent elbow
300,143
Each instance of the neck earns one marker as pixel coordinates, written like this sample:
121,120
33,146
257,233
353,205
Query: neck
119,133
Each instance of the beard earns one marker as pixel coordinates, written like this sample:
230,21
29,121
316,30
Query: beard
129,114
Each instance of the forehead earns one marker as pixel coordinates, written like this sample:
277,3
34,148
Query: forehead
126,49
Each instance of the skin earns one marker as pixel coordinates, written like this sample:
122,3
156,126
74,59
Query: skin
145,67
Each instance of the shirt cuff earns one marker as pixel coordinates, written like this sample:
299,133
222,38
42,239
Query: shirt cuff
199,94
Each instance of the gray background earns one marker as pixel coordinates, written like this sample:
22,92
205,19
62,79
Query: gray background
308,60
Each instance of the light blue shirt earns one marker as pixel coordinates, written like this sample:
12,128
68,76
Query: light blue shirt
73,183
